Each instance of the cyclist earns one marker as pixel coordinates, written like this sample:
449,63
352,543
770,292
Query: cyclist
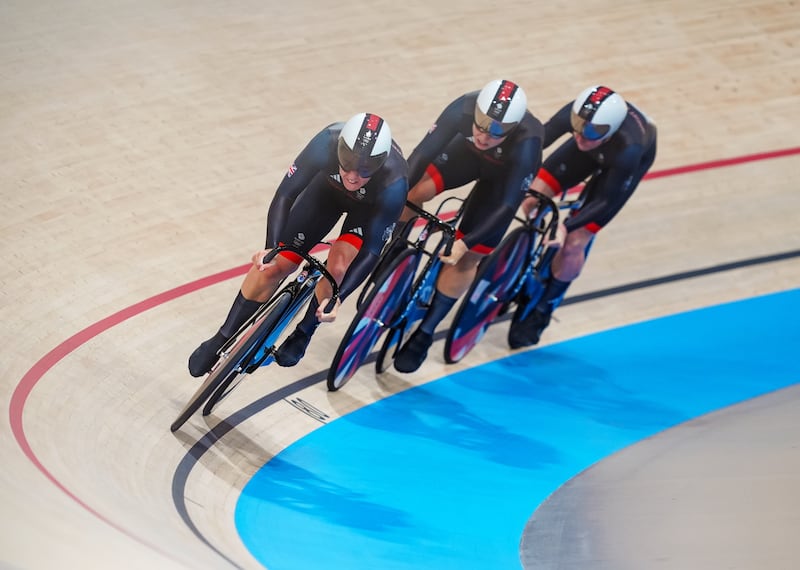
488,136
352,168
613,144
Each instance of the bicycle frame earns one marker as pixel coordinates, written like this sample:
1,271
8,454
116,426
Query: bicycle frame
307,278
249,349
422,289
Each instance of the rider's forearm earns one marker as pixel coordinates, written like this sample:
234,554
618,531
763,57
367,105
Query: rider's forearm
276,219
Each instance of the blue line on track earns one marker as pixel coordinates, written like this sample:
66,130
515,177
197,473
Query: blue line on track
446,475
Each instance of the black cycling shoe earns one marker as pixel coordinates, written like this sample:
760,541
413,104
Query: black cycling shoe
204,357
411,356
292,349
528,331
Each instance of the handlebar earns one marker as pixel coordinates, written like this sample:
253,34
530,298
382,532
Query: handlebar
432,218
316,265
445,227
549,203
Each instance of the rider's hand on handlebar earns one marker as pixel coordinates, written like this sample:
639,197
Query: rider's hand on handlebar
258,259
458,250
324,317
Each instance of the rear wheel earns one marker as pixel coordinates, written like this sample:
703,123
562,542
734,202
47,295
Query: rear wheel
492,289
233,360
380,307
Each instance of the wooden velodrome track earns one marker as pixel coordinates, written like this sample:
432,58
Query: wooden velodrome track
140,142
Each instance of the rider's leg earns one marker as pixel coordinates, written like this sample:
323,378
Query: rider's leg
565,268
564,168
453,281
453,168
340,257
257,287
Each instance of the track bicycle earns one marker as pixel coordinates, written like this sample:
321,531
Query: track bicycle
504,277
397,294
254,344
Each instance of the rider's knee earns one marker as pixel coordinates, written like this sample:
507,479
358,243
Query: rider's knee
572,251
571,257
423,190
337,267
281,268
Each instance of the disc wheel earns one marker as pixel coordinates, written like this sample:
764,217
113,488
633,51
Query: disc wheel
379,308
489,293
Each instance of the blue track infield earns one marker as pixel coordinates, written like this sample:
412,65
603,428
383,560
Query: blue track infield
446,475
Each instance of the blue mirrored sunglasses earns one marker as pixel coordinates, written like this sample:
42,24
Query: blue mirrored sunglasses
588,130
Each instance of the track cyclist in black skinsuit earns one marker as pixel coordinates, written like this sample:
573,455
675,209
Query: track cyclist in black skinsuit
613,144
351,168
490,137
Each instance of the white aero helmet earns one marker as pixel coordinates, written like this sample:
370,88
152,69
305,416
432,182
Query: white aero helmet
597,113
500,107
364,144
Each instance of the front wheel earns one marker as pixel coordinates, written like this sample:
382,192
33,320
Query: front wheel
265,330
233,360
385,301
489,293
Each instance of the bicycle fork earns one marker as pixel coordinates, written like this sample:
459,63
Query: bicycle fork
300,289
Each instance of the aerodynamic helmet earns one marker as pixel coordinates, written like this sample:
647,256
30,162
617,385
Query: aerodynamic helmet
364,144
598,112
500,107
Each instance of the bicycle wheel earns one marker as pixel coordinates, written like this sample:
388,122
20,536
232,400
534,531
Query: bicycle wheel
492,289
267,328
232,362
386,299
